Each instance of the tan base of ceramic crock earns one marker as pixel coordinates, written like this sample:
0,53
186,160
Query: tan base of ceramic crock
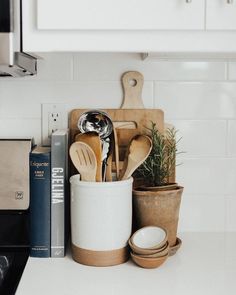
100,258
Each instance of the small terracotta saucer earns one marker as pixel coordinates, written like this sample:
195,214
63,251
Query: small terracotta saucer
176,247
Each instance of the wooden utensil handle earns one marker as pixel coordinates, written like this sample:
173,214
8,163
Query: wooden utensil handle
132,83
117,161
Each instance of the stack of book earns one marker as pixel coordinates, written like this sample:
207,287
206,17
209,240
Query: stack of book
49,197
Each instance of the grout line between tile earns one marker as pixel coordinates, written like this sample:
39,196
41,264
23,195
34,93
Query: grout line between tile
199,119
33,81
205,15
225,213
227,138
195,81
227,71
154,98
72,68
222,157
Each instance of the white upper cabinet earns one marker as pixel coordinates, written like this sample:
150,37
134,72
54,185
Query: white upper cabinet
221,15
120,15
129,25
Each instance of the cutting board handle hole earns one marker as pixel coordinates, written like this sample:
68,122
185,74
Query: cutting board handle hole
133,82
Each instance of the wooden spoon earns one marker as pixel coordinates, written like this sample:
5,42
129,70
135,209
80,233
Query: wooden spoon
116,148
84,159
93,140
138,151
108,175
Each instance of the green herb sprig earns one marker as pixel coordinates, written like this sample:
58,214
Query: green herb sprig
160,165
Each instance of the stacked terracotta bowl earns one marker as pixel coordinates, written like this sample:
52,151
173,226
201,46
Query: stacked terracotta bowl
149,246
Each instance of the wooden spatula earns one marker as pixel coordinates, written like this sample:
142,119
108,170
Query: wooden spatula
138,151
93,140
116,152
84,160
108,174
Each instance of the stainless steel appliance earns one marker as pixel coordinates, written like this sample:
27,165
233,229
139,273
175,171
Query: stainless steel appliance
14,173
13,61
14,215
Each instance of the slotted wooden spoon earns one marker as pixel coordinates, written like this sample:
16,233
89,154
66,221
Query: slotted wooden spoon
93,140
138,151
84,160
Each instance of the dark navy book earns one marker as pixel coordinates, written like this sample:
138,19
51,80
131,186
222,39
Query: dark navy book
40,202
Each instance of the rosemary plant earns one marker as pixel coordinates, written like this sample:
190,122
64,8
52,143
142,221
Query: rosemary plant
160,165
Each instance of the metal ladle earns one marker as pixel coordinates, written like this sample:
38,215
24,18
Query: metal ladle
97,121
100,122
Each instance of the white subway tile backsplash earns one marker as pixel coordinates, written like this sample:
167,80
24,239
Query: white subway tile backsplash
55,67
232,138
232,70
104,94
201,137
202,213
23,100
230,213
14,96
51,67
229,249
195,97
16,128
210,176
196,100
110,66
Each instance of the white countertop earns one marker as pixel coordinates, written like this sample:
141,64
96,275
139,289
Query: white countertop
205,264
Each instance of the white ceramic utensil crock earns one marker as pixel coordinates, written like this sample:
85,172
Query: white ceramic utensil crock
101,221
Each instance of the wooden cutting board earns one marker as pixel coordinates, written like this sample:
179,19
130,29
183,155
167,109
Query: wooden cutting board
131,118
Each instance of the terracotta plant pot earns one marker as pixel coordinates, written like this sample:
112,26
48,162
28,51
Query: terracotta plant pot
160,208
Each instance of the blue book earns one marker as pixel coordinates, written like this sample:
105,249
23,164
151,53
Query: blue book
40,201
